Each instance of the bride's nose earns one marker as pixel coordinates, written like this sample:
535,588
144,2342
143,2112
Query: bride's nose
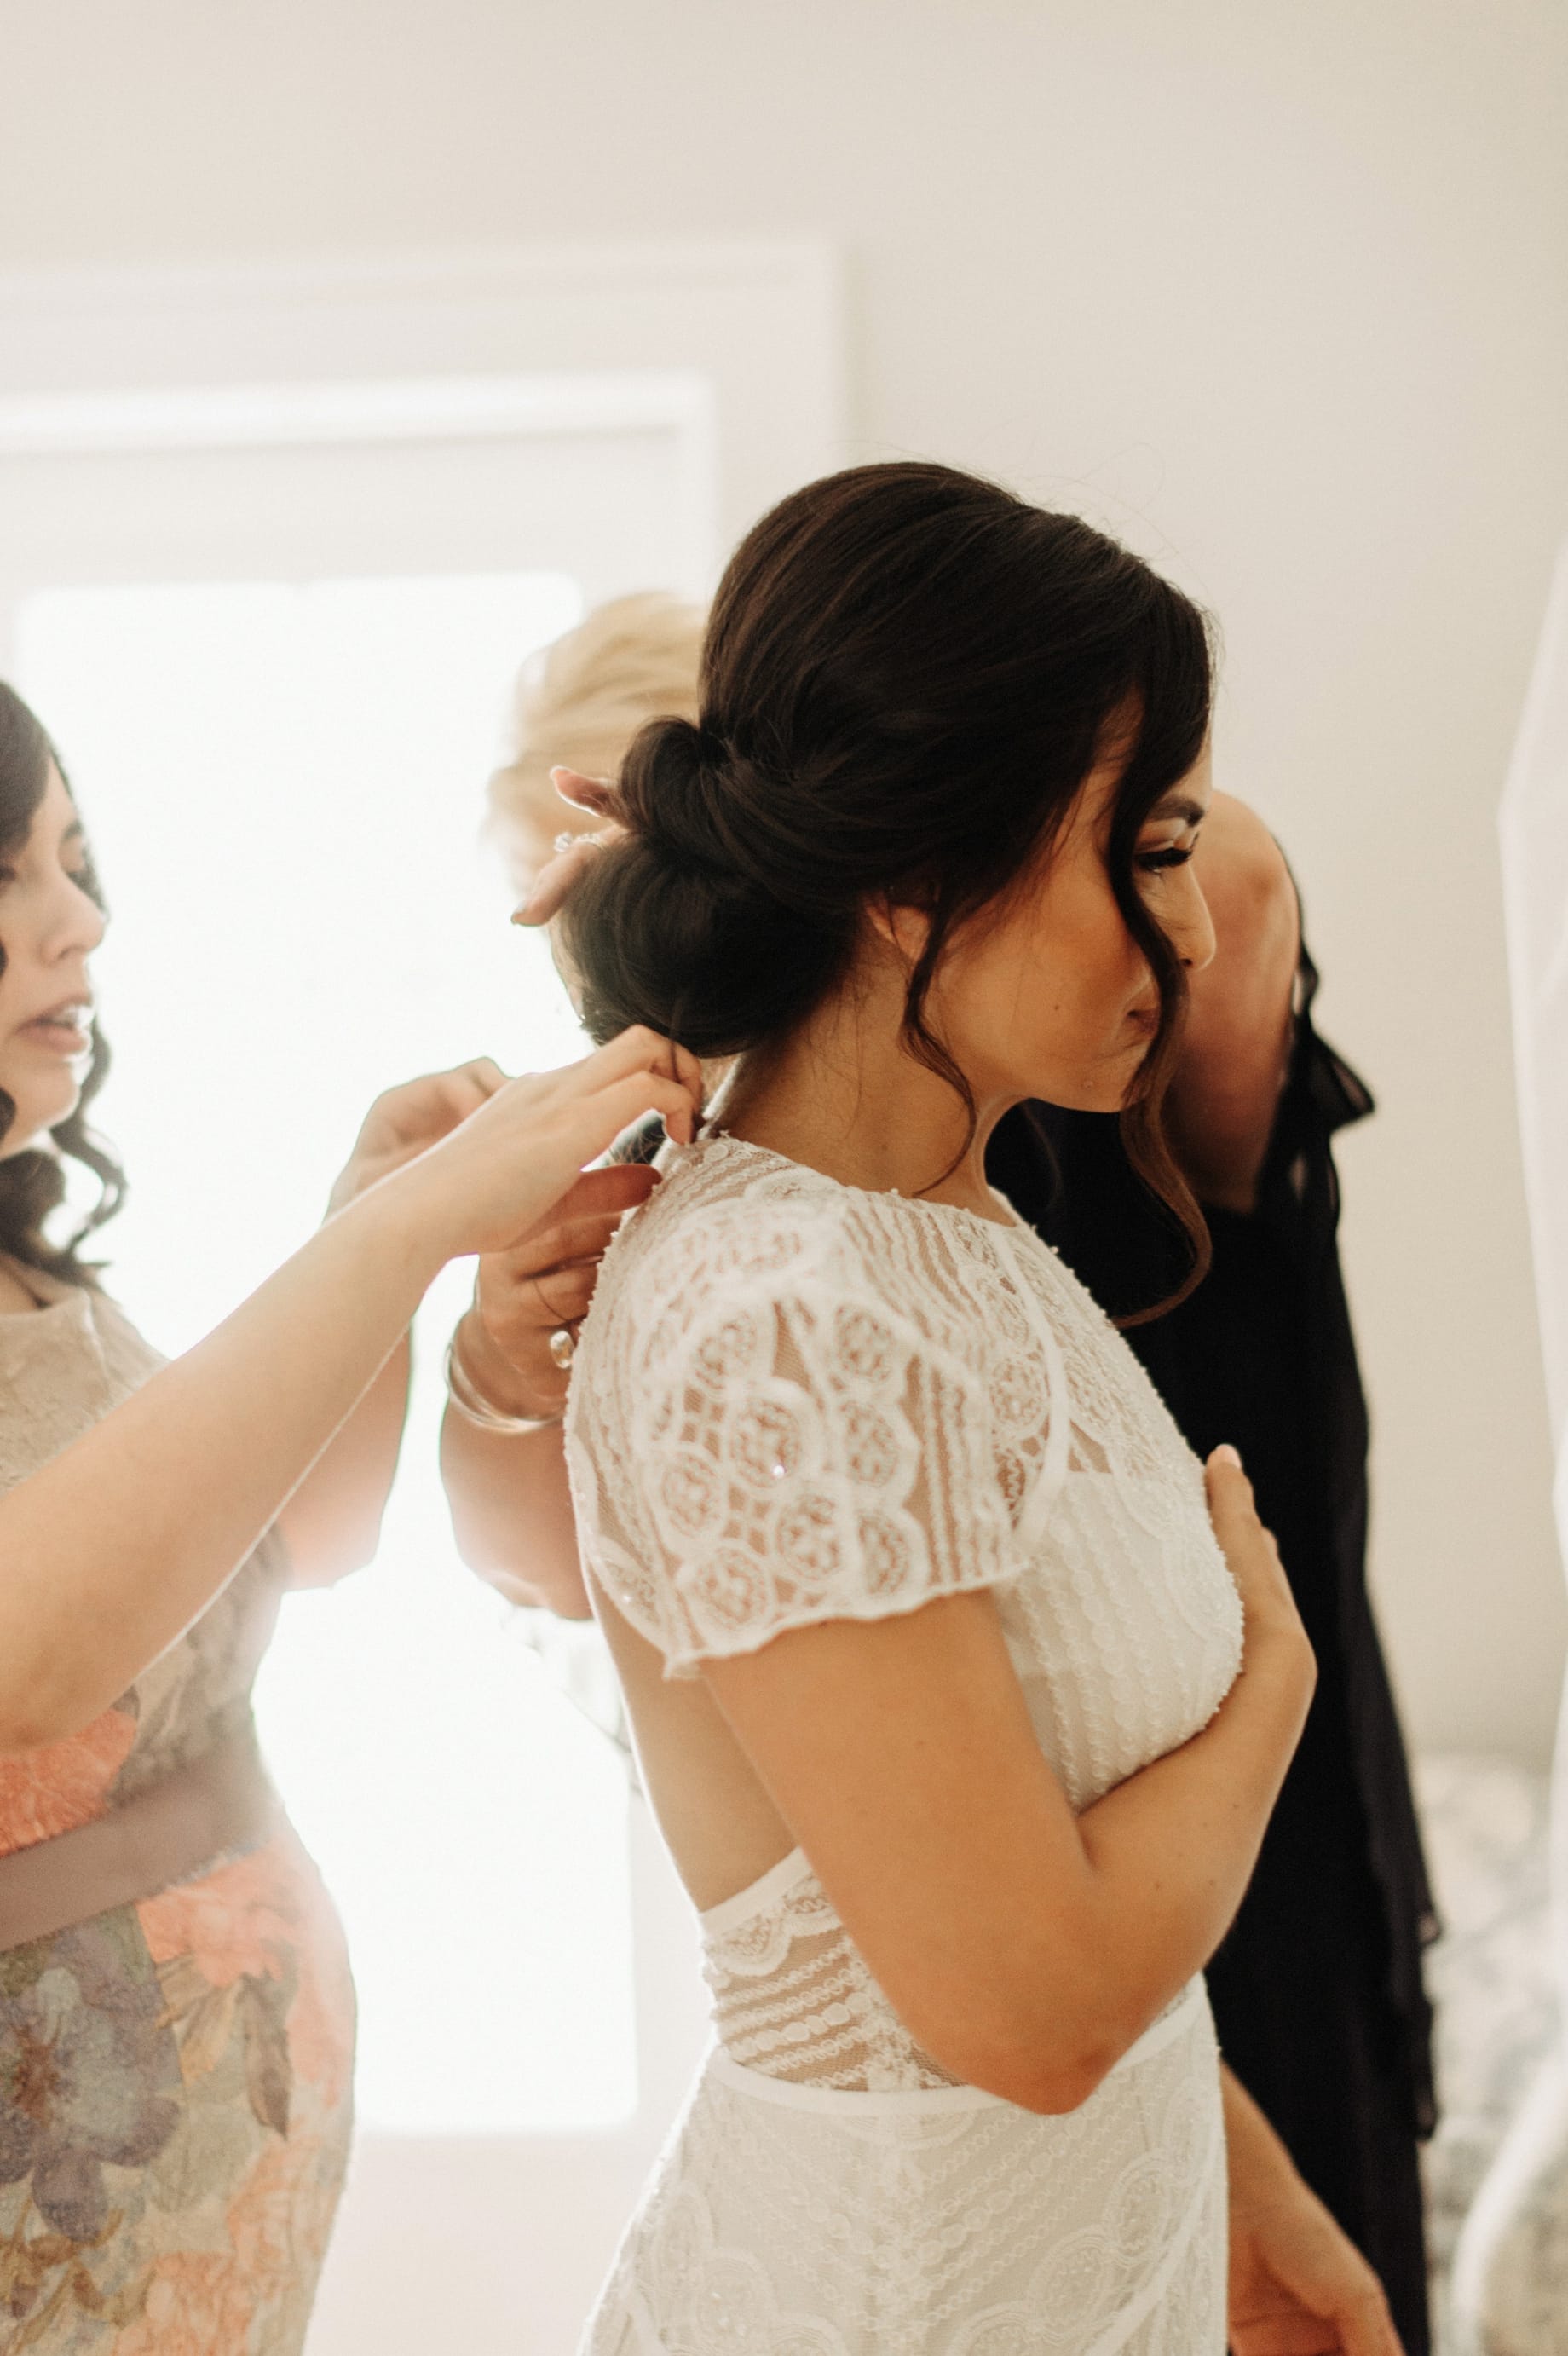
1192,930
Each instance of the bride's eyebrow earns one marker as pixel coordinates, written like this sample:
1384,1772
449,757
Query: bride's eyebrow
1177,805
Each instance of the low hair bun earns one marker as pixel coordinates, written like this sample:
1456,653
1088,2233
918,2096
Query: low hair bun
675,927
683,791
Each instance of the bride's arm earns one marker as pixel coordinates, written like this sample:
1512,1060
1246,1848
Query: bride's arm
1025,1949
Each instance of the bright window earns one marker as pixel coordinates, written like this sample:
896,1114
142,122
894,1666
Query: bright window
283,784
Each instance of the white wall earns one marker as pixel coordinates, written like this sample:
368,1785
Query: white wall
1281,291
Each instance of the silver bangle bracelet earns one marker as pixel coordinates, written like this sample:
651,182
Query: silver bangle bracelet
476,1408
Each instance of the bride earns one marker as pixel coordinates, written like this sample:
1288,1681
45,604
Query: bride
961,1691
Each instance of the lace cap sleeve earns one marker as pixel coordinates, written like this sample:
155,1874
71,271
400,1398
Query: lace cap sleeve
797,1450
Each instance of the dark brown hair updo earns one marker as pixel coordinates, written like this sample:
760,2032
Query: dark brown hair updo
33,1184
907,677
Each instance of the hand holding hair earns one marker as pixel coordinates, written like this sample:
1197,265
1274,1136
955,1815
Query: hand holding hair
573,852
487,1186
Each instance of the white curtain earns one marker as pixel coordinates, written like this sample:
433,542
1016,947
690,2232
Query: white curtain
1534,827
1511,2272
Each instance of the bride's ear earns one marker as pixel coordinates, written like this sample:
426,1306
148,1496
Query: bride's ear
595,794
905,930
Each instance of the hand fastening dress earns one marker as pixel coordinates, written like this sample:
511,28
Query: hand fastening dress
795,1401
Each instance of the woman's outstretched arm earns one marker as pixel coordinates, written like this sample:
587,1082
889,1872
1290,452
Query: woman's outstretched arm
1026,1949
332,1521
110,1551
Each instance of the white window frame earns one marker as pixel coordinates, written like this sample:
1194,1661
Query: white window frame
95,359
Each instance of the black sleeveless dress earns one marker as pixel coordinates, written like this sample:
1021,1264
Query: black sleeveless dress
1318,1987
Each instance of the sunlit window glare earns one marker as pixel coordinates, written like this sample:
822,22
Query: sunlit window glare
283,788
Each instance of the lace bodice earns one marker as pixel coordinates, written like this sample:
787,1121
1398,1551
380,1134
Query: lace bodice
62,1367
795,1401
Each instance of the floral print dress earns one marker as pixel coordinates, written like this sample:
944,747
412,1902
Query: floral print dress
174,2075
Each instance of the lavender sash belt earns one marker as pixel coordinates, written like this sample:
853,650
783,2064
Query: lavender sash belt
218,1803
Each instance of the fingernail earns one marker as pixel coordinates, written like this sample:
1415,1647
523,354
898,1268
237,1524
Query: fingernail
1229,1455
521,912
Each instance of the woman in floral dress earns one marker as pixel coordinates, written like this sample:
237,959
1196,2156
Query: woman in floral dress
175,2010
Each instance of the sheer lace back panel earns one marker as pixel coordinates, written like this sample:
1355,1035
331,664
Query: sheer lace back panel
794,1401
793,1998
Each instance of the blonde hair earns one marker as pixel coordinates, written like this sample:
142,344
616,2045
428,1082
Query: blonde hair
580,701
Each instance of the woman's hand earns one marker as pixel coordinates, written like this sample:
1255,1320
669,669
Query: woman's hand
491,1180
1268,1607
1235,1046
404,1120
1299,2286
522,1297
556,878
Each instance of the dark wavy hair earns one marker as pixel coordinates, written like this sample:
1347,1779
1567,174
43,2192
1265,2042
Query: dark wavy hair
908,675
33,1184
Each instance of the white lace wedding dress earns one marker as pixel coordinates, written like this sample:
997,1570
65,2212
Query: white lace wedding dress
795,1401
